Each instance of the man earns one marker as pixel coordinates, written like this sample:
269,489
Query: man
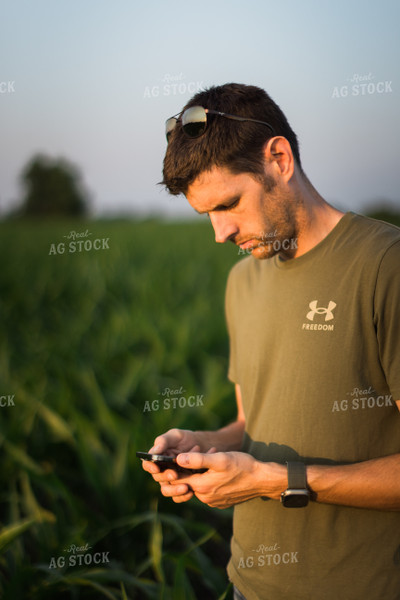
312,463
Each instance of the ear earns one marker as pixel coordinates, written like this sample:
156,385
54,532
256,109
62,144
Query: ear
278,152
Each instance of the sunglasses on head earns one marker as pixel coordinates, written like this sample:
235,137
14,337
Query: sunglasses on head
194,121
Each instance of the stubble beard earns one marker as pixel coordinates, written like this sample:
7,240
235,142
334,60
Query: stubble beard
282,235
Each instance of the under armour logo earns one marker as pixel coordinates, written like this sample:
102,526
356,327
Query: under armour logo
321,310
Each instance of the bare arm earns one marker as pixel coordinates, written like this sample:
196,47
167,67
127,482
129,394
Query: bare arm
228,438
235,477
369,484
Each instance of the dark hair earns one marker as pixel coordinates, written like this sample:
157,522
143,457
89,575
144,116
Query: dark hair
226,143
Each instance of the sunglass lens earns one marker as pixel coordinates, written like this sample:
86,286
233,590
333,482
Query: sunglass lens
169,126
194,121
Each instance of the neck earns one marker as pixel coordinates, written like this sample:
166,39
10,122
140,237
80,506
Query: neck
315,217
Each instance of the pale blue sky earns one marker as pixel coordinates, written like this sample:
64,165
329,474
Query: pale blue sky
94,81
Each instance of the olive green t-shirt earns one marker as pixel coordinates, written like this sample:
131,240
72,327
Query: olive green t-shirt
315,347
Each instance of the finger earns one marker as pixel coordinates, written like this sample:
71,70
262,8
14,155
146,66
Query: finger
150,467
168,440
158,475
166,476
211,450
184,498
160,445
175,491
195,448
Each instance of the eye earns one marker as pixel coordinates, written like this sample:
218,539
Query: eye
233,205
229,207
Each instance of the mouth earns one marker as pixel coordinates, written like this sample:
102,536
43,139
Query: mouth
246,245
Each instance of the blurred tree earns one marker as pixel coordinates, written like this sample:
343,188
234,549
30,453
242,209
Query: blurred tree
53,187
384,210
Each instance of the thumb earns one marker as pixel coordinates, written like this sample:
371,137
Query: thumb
197,460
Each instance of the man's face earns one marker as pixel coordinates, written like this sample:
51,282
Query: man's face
260,217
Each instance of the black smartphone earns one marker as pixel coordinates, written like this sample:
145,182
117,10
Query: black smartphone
167,462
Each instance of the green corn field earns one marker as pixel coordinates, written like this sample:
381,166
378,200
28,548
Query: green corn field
95,336
107,329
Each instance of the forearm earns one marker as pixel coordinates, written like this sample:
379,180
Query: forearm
227,439
371,484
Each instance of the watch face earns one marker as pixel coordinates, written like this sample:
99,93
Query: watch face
295,498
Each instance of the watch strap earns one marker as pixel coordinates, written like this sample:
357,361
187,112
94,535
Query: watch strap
297,476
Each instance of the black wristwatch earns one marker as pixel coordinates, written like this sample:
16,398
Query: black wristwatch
297,495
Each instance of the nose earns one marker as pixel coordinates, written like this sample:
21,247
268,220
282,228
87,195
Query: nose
223,225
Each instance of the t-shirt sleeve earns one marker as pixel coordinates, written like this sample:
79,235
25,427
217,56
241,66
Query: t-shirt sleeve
387,316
